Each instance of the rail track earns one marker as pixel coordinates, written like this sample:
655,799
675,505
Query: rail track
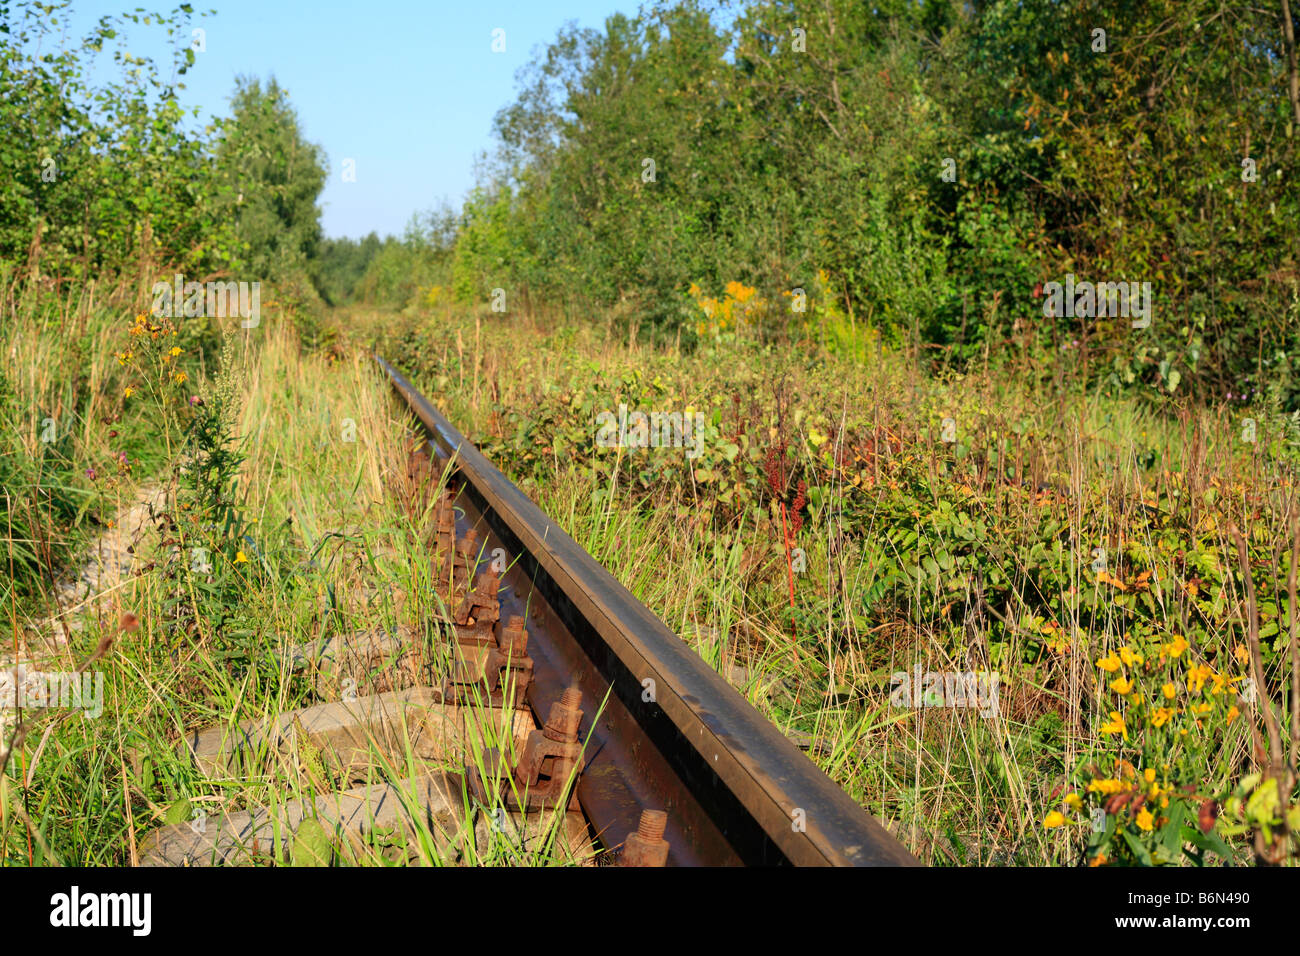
673,735
605,720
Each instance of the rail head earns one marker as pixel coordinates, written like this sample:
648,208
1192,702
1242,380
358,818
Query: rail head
807,817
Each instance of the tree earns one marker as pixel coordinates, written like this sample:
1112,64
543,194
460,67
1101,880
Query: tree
274,178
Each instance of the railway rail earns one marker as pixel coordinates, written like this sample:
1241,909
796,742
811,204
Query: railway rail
675,758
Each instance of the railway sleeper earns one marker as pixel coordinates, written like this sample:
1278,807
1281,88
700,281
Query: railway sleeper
348,735
390,816
367,662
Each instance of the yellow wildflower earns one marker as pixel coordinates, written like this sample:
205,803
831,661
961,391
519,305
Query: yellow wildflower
1233,713
1169,690
1176,647
128,391
1105,787
1074,801
1054,819
1115,725
1149,774
740,292
1129,656
1161,716
1145,820
241,558
1197,676
1109,663
1121,685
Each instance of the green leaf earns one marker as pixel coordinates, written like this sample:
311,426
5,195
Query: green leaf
1208,841
311,845
1171,832
1138,849
178,812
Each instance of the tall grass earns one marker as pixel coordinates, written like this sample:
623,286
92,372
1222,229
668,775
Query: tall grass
977,554
324,542
980,554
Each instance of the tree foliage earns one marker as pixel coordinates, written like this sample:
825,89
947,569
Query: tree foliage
98,179
934,163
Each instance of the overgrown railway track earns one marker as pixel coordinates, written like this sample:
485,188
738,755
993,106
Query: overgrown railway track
670,736
531,695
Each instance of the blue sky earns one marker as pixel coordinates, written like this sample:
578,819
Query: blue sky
407,89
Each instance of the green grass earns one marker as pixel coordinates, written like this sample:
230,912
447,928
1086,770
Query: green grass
330,544
964,556
973,555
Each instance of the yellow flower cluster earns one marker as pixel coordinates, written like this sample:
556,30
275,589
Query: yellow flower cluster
1115,725
144,326
1172,695
739,303
148,329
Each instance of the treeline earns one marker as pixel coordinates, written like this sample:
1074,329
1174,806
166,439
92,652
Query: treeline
826,171
411,270
111,181
915,171
114,181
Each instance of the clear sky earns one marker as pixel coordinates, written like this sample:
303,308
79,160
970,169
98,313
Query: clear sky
406,88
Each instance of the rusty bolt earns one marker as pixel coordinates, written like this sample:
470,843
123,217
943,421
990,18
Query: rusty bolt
481,602
647,846
514,637
446,515
562,723
552,753
509,657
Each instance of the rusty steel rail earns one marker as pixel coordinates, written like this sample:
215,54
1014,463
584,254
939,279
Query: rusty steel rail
735,789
